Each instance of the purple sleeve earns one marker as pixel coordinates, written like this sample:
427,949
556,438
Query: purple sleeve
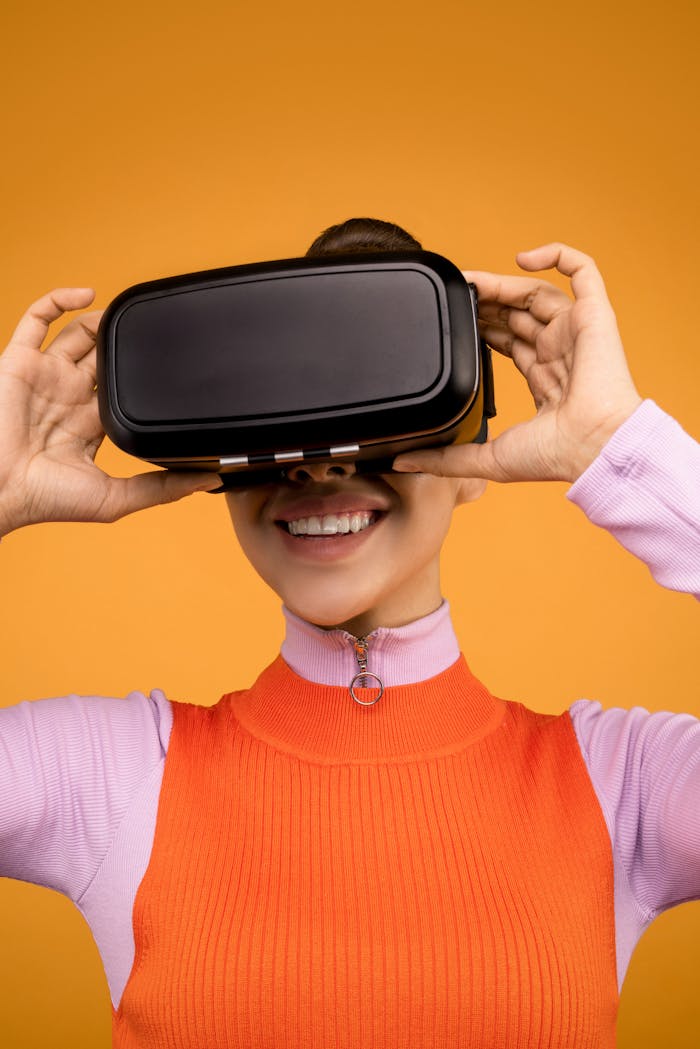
70,769
646,771
644,488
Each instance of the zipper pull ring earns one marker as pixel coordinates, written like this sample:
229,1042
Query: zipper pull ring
361,645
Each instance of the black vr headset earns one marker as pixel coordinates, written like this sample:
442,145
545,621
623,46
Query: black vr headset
248,369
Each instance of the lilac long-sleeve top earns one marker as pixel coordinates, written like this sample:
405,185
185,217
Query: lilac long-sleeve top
80,776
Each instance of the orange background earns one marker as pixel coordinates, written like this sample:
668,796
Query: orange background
143,140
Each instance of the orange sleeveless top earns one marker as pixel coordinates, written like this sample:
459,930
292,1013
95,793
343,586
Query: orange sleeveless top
431,871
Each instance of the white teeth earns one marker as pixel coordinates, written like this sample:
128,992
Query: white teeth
331,524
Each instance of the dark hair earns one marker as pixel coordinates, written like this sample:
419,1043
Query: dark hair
356,235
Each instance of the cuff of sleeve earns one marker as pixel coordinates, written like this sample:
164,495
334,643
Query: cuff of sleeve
619,455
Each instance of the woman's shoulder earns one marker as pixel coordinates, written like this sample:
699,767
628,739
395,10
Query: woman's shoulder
136,721
636,759
614,737
645,768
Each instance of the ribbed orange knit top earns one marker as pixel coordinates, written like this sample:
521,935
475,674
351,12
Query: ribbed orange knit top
431,871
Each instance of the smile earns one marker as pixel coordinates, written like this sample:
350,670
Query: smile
331,524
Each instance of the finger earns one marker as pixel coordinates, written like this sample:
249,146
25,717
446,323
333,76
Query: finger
540,297
77,339
500,288
129,494
586,280
465,460
32,328
520,322
88,364
540,376
522,353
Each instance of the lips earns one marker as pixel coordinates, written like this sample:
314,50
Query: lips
320,506
316,549
294,506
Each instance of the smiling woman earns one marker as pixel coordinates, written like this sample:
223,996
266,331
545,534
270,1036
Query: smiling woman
301,863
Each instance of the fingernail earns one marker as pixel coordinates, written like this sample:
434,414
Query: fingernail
406,466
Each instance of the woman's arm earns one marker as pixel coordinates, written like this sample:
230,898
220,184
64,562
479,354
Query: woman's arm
644,488
69,767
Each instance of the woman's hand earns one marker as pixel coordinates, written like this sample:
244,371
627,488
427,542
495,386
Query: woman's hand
50,427
572,357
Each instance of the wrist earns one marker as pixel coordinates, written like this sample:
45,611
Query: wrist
586,452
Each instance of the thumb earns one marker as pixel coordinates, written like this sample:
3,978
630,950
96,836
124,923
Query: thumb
456,460
129,494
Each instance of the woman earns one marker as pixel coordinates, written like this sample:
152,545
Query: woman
304,864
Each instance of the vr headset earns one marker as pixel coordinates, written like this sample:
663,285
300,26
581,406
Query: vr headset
248,369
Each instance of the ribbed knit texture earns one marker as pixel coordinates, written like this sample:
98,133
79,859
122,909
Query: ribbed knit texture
433,871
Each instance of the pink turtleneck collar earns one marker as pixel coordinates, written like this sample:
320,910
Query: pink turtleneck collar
398,655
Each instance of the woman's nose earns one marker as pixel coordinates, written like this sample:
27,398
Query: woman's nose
321,471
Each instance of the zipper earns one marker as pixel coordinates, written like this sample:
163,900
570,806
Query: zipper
361,648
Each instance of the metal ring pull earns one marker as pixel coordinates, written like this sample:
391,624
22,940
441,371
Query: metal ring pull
363,675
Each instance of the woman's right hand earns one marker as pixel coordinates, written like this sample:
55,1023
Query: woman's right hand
50,427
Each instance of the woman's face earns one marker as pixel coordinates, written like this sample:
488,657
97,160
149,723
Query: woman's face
377,559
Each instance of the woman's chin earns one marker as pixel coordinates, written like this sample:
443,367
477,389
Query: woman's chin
325,613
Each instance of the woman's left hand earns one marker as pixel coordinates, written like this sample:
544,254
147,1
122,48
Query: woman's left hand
571,355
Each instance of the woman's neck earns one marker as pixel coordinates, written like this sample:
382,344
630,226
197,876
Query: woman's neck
398,655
